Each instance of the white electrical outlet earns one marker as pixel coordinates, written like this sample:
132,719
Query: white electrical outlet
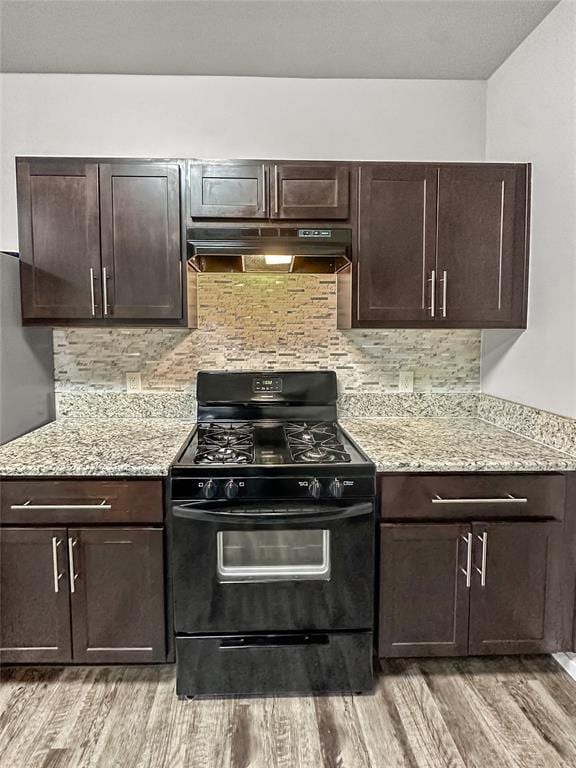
406,381
133,382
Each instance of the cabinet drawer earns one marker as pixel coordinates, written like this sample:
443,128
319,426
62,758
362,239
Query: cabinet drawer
80,502
472,497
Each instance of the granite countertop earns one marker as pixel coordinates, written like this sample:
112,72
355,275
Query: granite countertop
146,447
451,445
106,447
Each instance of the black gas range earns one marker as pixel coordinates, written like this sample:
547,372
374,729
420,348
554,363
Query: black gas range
272,530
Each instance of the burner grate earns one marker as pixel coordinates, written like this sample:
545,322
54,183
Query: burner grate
225,443
315,443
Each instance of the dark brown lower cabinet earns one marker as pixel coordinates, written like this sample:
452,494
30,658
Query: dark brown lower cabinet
519,608
85,595
34,596
423,593
468,589
117,600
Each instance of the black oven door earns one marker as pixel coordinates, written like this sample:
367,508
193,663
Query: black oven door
274,567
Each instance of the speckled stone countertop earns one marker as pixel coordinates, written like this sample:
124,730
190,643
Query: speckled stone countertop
106,447
146,447
451,445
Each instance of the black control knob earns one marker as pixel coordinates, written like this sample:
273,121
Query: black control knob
315,489
210,489
231,489
336,488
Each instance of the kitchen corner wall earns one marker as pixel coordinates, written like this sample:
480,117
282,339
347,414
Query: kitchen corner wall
266,322
531,116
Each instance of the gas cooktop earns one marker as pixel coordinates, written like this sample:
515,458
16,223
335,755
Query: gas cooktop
268,443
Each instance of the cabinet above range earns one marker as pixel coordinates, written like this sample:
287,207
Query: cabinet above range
244,189
434,245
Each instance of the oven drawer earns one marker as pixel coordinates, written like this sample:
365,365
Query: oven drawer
81,502
274,664
473,496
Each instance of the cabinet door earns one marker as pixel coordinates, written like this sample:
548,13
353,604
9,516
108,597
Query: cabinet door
34,596
516,607
310,191
481,251
118,597
423,593
59,231
236,190
141,262
396,245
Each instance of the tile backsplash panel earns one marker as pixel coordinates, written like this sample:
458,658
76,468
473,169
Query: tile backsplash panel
266,322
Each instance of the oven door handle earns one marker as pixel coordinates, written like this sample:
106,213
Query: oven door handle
297,515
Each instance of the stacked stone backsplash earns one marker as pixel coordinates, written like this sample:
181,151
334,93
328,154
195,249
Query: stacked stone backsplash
265,322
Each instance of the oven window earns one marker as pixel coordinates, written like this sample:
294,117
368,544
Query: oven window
273,555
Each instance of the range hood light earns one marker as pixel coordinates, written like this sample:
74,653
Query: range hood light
275,259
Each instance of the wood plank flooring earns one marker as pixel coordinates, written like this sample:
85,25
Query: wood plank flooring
515,712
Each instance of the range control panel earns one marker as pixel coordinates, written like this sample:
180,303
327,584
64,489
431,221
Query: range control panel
267,384
262,488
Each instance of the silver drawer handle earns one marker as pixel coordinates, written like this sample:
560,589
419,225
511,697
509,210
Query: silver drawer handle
482,570
444,291
92,298
276,190
105,289
432,281
508,499
29,505
57,576
468,570
73,574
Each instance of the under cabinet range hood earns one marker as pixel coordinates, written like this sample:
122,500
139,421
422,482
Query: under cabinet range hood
269,249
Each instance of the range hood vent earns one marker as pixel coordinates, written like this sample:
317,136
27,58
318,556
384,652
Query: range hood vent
269,250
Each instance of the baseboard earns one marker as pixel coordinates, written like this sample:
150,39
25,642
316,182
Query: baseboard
568,661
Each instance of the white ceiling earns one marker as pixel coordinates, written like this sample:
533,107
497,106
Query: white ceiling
460,39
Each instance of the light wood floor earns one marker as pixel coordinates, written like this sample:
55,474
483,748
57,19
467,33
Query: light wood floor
490,713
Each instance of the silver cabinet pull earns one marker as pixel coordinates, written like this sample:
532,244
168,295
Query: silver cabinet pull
105,290
482,570
508,499
276,189
92,298
264,189
468,570
444,291
73,574
57,576
29,505
432,281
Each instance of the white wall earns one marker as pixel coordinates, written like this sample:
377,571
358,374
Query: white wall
234,117
531,115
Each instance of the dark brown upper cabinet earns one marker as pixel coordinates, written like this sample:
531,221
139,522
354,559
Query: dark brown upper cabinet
237,190
442,246
310,191
59,232
140,231
304,191
481,245
34,599
99,242
396,251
